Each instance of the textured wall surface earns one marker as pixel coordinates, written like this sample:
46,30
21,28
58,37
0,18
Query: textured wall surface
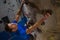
9,9
52,26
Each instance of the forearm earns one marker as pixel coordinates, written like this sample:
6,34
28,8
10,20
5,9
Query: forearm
38,23
19,12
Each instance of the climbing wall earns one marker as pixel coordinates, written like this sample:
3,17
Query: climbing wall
51,29
8,8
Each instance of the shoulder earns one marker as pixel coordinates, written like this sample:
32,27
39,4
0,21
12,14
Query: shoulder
14,21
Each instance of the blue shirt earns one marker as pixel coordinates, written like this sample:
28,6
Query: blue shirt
20,34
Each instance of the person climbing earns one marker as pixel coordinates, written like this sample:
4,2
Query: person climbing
19,28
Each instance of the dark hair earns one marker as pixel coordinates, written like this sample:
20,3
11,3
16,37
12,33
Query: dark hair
7,28
6,20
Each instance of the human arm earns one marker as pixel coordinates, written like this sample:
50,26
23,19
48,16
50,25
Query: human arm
31,28
37,24
19,11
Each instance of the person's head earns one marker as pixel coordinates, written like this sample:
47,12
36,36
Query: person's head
11,27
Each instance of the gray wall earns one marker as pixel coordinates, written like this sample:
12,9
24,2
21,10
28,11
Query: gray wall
9,9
